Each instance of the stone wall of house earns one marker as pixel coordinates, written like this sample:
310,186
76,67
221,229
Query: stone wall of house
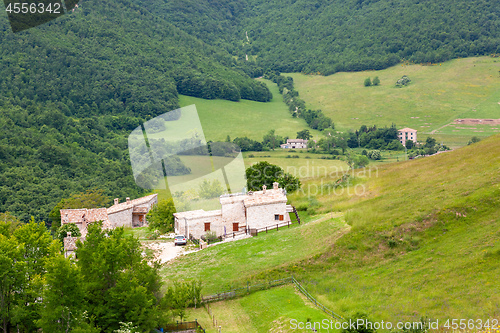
122,218
196,226
233,210
264,215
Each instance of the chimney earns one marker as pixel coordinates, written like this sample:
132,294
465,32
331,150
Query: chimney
116,201
128,200
276,185
264,189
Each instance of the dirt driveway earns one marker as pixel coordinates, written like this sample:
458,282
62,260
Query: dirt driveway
166,251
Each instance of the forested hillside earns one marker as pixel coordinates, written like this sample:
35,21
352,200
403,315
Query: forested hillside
319,36
73,89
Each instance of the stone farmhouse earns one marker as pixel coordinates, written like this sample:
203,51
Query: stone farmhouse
294,143
406,134
239,211
131,213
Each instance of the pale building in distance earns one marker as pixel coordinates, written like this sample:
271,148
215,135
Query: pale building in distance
406,134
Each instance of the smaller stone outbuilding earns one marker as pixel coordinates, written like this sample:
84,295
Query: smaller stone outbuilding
131,213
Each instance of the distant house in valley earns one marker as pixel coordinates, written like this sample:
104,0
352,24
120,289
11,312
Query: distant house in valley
131,213
406,134
240,211
295,144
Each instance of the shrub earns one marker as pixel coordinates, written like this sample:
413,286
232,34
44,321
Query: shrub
368,82
376,81
302,207
210,236
210,190
474,139
404,81
374,155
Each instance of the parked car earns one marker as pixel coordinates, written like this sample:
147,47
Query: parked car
180,240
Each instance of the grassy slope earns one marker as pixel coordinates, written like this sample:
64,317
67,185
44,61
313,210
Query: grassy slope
462,88
220,118
235,263
440,215
424,241
263,311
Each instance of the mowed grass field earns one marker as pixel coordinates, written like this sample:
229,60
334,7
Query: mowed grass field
264,311
225,266
299,163
221,118
438,94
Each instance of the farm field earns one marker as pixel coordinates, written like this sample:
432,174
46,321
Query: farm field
221,118
438,94
299,163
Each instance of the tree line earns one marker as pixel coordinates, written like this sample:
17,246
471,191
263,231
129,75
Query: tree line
111,283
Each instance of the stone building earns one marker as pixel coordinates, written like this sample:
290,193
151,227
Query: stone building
406,134
83,217
131,213
238,212
294,144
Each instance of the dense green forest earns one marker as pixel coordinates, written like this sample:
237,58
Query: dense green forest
319,36
72,90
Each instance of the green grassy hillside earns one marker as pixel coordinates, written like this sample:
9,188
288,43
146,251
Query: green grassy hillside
438,94
221,118
423,241
263,311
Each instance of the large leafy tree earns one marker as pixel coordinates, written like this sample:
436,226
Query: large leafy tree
304,134
38,246
161,216
12,279
265,173
119,285
62,308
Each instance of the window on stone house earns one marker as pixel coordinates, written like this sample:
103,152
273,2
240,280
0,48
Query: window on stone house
276,217
282,217
207,226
